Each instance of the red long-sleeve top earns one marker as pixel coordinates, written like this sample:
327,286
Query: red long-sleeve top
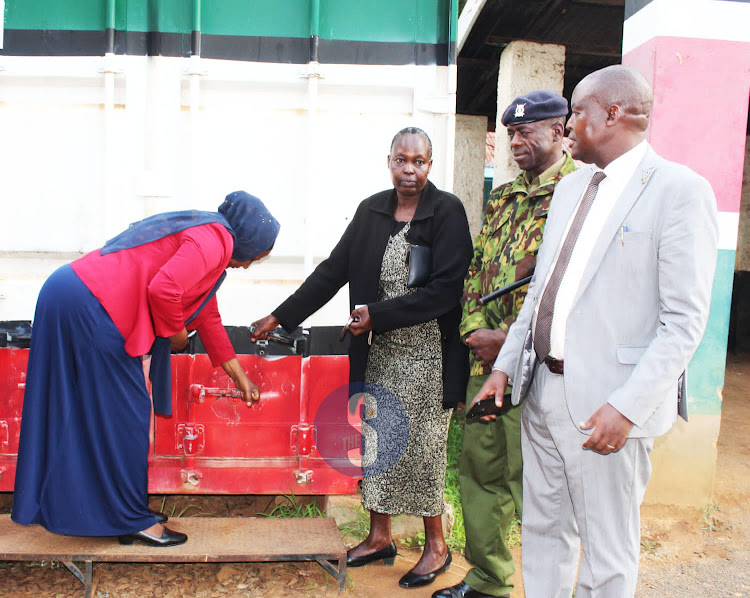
150,290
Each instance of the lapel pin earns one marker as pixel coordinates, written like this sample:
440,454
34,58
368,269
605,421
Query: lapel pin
646,176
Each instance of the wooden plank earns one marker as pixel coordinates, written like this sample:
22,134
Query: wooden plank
466,20
601,2
210,540
585,49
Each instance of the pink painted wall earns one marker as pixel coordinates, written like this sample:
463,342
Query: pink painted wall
701,94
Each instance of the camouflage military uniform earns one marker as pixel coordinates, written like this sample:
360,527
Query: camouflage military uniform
504,252
490,472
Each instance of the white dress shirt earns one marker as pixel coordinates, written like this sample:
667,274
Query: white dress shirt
619,172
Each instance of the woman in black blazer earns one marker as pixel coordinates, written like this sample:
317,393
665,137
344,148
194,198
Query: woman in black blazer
406,346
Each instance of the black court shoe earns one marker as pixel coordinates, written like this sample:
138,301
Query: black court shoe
388,554
463,590
415,580
167,538
160,517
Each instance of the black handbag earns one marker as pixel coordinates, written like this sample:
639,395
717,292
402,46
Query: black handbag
419,262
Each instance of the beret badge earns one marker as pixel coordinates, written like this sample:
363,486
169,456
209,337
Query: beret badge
534,106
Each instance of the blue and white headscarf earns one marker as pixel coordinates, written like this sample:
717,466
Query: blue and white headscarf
245,216
255,229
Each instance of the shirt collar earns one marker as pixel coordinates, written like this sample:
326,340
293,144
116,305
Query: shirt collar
546,176
386,203
622,168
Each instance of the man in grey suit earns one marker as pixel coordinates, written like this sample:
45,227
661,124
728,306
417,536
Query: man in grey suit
616,309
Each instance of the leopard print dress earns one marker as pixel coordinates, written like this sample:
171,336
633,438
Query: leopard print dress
405,364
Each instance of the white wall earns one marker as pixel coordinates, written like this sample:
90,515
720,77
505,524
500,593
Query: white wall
82,158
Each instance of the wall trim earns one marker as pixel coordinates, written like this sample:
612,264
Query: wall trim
702,19
34,42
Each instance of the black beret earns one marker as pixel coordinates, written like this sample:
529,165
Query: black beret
535,106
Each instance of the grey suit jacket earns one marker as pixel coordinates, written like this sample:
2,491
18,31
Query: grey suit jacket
643,302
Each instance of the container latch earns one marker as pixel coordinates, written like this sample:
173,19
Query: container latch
190,439
198,393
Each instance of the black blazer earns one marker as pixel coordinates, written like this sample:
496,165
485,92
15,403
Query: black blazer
439,222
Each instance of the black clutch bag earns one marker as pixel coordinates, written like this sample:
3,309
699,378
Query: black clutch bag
419,261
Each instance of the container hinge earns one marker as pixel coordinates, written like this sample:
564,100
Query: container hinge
4,434
190,439
191,477
303,439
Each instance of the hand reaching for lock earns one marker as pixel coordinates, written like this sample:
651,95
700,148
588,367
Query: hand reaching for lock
250,392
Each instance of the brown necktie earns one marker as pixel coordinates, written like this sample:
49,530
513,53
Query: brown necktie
547,304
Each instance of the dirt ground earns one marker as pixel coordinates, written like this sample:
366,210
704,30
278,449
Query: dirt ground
691,553
685,552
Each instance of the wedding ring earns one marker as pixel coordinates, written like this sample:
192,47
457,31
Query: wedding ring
610,447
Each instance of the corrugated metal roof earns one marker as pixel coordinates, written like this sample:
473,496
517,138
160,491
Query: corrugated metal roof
591,31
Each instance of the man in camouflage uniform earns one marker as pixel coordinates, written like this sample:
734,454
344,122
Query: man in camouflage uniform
504,252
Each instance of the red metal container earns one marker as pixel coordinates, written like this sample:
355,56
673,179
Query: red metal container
215,444
12,384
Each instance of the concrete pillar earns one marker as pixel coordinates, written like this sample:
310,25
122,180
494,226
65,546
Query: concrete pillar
695,54
524,67
739,322
468,166
743,236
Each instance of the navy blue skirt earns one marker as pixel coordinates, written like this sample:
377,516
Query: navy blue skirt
83,453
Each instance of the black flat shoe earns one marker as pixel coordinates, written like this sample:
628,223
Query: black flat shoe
416,580
388,554
463,590
160,517
167,538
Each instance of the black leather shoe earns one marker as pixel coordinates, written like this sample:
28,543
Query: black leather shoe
388,554
167,538
415,580
463,590
160,517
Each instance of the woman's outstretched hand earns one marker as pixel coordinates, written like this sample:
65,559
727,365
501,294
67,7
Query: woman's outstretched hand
361,321
261,328
250,392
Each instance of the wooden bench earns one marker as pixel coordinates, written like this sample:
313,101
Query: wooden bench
210,540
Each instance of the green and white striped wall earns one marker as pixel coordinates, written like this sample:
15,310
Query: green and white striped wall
115,109
349,31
